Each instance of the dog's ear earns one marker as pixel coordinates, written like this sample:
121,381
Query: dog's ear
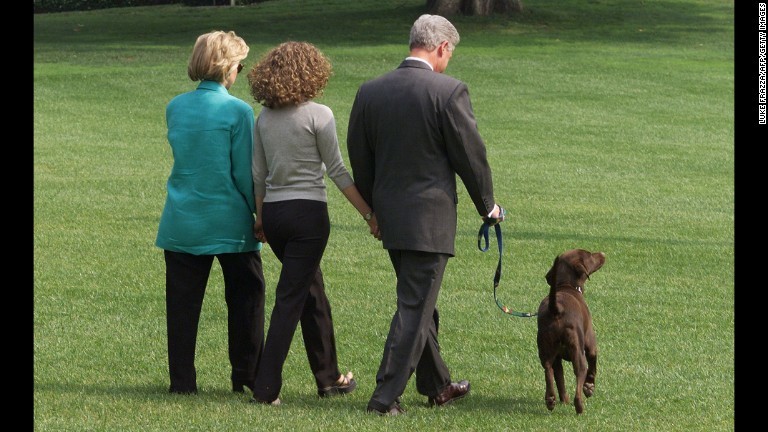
551,274
582,269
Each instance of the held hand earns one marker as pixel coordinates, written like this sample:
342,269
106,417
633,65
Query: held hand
258,232
373,225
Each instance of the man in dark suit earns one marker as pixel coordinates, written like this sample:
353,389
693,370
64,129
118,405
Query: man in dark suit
411,131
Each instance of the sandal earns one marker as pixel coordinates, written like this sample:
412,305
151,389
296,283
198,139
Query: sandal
345,384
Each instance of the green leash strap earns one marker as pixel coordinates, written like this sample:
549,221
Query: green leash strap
483,235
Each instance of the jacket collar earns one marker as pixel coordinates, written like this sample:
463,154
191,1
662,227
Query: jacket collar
415,64
212,85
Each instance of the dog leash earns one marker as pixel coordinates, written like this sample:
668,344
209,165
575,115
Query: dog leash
483,234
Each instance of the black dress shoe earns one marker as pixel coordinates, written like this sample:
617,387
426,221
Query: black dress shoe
392,411
451,393
239,387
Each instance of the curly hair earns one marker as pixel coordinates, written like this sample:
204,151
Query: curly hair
289,74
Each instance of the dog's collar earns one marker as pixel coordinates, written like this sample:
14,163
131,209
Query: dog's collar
577,288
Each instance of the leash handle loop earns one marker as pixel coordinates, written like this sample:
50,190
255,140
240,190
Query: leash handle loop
483,235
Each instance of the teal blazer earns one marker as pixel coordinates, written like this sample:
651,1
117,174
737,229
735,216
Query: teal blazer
209,207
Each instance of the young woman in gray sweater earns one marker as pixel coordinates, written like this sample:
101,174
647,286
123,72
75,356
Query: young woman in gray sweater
295,146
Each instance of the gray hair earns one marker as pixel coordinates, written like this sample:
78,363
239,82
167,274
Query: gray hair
429,31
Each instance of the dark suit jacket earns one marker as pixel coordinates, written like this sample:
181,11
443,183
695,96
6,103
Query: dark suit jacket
411,131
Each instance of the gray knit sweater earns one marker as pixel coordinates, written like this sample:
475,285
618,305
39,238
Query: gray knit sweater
293,148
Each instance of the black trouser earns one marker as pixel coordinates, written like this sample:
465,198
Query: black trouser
412,343
186,278
297,232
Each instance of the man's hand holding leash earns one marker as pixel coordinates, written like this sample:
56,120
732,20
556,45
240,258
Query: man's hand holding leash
497,215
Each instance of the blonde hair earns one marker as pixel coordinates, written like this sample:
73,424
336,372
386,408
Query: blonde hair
215,54
289,74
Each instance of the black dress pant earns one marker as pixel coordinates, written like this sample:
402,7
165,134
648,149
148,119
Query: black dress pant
412,343
297,232
185,283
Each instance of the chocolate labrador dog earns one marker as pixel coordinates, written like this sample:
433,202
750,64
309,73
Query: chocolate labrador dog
565,329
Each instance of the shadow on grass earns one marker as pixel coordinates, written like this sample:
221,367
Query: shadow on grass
381,23
137,392
474,402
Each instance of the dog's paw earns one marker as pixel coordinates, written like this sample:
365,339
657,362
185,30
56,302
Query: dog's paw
589,388
550,401
579,405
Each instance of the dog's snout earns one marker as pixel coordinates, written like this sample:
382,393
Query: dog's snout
600,256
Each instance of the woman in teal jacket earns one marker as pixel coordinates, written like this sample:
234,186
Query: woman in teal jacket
209,212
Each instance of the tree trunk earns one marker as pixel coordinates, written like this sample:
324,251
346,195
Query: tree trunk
473,7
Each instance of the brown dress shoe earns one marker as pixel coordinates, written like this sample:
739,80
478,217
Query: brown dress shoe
452,392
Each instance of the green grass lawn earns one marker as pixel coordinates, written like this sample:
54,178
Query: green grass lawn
609,126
